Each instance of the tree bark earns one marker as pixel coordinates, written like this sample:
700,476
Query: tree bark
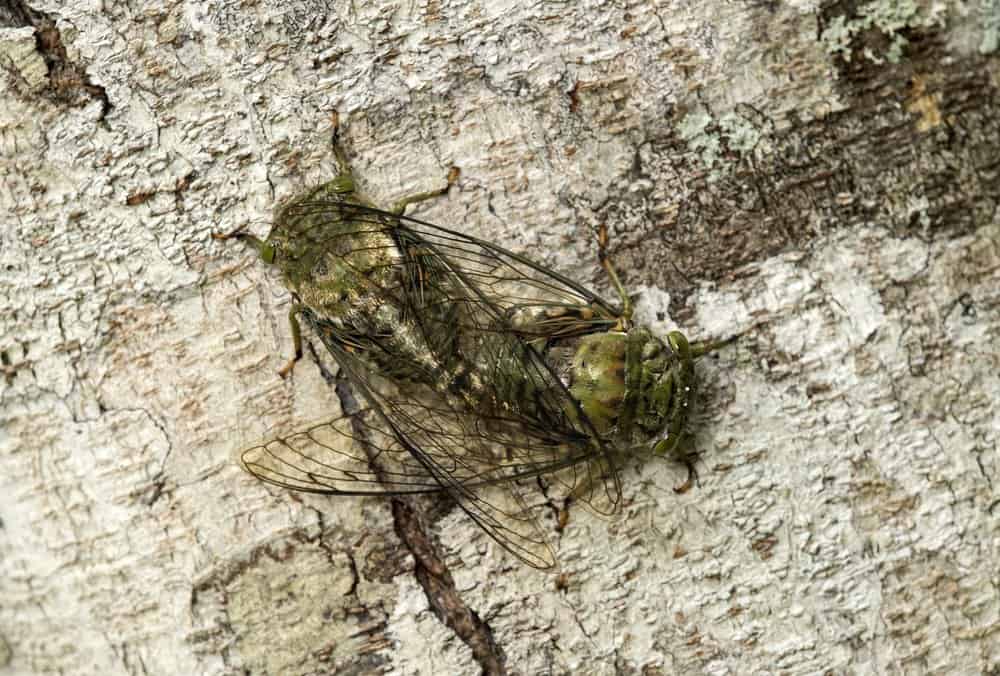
819,179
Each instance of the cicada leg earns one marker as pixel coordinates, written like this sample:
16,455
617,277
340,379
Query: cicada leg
598,470
296,340
266,251
345,176
344,181
688,461
624,322
701,348
401,205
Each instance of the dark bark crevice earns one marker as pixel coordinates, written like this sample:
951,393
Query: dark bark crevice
69,82
429,568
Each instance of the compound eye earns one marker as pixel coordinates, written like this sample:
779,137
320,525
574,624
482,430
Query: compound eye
343,184
268,253
679,344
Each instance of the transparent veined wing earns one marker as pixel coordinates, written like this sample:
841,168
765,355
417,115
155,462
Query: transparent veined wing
459,382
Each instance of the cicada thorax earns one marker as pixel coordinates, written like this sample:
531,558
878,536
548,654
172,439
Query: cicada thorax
634,387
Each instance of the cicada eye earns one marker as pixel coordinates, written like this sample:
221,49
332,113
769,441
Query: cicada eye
343,184
268,252
679,344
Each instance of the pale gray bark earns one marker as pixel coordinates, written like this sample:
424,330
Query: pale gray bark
820,178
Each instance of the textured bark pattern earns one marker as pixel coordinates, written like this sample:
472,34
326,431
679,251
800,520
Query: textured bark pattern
821,178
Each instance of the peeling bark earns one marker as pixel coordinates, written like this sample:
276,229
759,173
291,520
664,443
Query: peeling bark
68,82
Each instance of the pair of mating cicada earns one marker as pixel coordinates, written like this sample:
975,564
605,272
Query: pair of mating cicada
476,368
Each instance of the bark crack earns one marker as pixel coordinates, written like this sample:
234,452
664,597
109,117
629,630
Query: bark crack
430,570
439,586
68,81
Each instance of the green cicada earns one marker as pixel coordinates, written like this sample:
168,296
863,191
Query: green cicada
475,366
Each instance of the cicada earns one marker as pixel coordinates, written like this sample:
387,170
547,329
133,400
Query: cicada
477,368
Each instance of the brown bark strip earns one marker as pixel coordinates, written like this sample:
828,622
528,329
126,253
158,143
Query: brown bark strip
439,586
430,570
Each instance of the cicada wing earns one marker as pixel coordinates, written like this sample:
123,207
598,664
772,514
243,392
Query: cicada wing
504,311
336,458
481,456
521,296
494,411
360,455
483,318
524,297
469,325
466,457
510,518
